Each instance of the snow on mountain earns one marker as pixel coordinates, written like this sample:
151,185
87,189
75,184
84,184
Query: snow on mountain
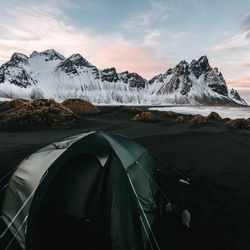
49,74
192,83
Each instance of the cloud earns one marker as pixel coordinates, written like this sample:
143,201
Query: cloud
155,10
243,81
230,48
240,41
44,26
235,43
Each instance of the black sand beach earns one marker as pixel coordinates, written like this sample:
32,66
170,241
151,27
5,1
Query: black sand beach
214,157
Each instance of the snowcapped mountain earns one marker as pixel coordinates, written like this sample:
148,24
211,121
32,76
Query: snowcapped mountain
49,74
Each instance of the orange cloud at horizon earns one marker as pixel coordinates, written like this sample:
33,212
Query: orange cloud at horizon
243,82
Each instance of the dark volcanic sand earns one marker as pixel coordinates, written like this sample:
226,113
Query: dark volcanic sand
217,160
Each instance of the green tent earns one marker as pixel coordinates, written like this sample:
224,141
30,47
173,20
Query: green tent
96,189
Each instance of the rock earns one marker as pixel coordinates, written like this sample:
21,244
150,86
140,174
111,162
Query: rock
73,63
145,117
214,116
39,113
15,72
235,95
180,119
80,107
217,82
239,123
109,75
133,79
171,114
200,66
198,119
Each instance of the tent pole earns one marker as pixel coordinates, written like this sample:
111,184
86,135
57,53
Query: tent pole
5,186
146,219
150,243
22,207
14,236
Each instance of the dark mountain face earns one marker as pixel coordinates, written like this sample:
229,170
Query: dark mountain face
16,58
200,67
109,75
181,78
72,64
235,94
216,82
14,72
133,79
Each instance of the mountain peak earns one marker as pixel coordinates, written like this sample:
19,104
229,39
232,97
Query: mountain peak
203,59
79,60
236,97
49,54
19,57
73,63
204,63
76,56
200,67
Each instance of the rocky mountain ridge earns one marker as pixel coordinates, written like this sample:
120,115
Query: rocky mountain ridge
48,74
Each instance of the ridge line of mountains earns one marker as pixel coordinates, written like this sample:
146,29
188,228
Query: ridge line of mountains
48,74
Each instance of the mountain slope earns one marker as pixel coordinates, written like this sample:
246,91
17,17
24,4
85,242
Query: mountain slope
49,74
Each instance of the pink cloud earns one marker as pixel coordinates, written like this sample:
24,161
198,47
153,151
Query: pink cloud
41,27
128,56
243,81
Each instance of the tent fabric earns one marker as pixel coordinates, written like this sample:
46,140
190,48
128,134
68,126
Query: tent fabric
103,208
118,160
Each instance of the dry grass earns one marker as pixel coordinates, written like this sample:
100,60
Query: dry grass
39,113
145,117
7,105
198,119
214,116
180,119
239,123
80,107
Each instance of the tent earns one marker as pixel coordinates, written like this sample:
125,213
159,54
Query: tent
96,189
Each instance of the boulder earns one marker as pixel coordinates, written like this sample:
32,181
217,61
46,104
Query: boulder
239,123
180,119
198,119
214,116
80,107
145,117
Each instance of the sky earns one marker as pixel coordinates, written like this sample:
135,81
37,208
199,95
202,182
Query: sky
143,36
